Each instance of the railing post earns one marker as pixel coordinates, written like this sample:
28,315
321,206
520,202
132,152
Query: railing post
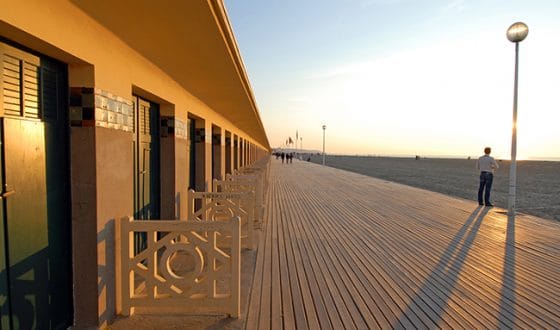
190,204
127,248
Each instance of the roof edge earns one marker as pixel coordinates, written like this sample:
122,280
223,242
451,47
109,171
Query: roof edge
220,13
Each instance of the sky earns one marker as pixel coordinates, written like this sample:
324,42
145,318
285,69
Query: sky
403,77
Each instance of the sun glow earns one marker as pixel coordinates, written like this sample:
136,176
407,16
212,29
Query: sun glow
448,99
444,89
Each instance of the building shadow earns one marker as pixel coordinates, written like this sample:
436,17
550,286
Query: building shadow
34,297
447,270
106,286
28,292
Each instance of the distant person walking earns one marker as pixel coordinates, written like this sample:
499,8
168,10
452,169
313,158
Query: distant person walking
486,164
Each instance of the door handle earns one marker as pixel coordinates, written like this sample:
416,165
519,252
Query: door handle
7,194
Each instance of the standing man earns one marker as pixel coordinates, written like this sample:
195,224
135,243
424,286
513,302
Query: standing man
486,165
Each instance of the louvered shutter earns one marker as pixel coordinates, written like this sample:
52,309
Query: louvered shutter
50,93
19,84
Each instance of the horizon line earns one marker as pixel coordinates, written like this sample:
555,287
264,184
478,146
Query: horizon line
313,151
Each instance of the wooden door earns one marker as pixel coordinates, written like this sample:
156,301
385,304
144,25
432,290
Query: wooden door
146,165
192,154
5,308
36,263
147,160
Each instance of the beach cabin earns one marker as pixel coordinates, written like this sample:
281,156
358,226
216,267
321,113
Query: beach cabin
108,109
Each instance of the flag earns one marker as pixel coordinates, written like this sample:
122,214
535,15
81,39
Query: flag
296,135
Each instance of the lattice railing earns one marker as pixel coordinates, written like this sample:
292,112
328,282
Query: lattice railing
247,184
223,206
182,266
258,171
250,174
253,173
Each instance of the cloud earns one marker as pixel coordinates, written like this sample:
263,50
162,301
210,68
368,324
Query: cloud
454,6
369,3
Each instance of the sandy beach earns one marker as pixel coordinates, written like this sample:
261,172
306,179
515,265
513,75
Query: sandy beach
538,182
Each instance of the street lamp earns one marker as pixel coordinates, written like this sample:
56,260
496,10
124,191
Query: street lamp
324,128
516,33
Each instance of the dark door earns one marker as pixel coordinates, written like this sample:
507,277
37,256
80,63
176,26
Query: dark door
5,310
147,160
36,276
216,156
146,165
235,153
192,154
228,154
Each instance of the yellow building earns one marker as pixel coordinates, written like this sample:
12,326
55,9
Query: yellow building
108,108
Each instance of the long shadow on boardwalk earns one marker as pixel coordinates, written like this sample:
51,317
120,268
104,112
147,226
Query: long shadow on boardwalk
449,267
508,279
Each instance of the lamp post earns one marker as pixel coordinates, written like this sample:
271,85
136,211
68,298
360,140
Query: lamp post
516,33
324,128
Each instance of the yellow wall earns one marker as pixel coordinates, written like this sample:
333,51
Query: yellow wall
78,39
102,186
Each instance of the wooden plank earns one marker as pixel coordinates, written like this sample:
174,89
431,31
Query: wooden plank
297,270
340,297
304,219
371,302
323,281
253,310
266,304
295,291
444,296
397,256
276,281
384,298
429,236
353,252
291,306
348,251
314,309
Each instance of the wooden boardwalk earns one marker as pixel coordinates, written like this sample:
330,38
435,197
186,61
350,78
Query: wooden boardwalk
342,250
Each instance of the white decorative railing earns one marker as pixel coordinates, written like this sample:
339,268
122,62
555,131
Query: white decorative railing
260,170
223,206
182,266
253,175
246,184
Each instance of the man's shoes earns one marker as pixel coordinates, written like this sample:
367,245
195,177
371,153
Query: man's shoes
489,204
480,204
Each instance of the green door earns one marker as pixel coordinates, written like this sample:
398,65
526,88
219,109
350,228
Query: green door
36,279
5,311
192,154
146,165
147,161
27,223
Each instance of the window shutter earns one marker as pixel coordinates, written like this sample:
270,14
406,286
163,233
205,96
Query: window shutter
19,84
11,85
31,90
49,93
